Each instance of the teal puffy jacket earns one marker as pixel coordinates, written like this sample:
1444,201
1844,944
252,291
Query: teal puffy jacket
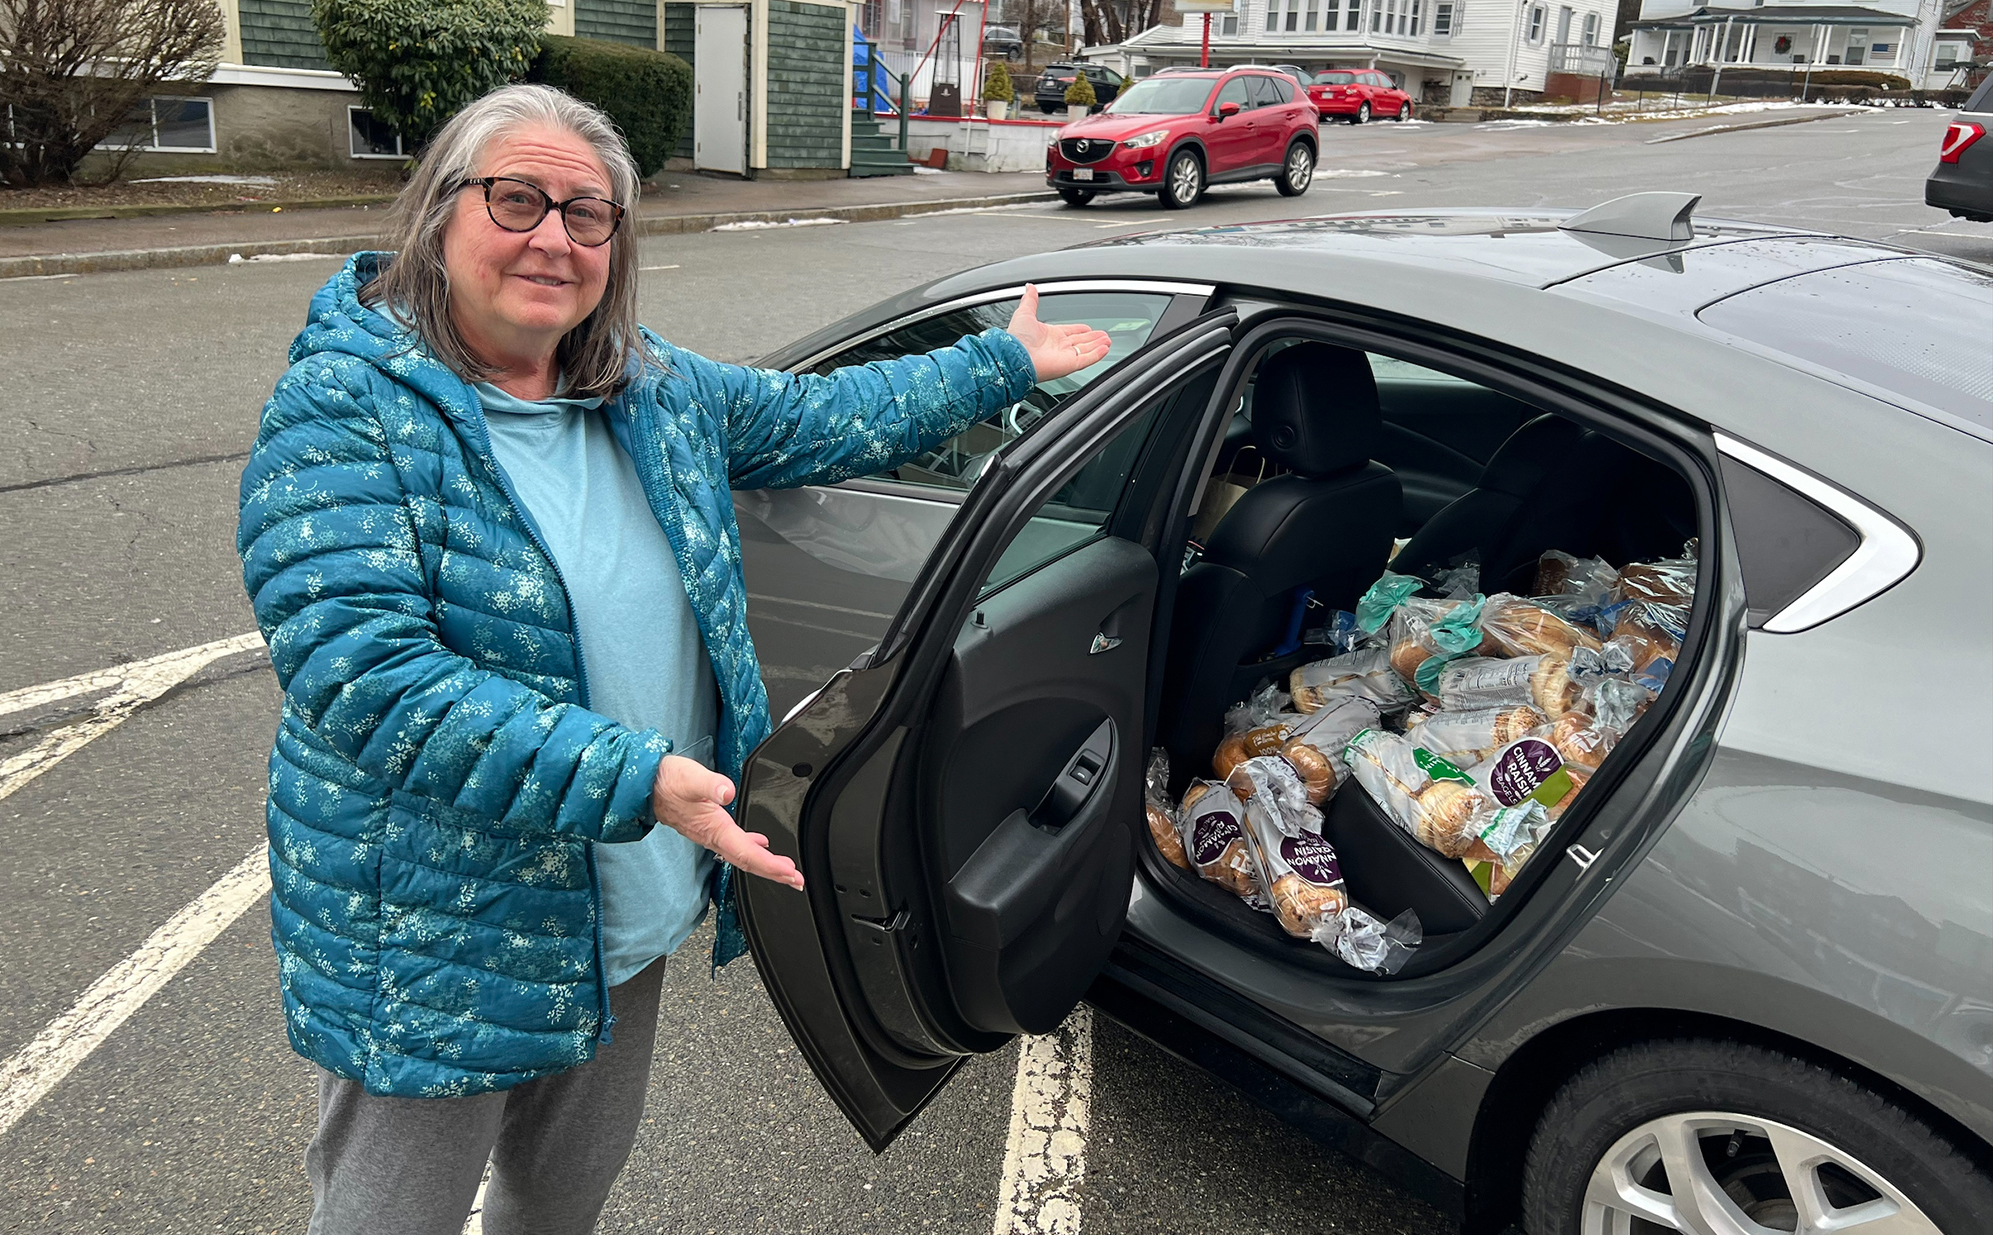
437,782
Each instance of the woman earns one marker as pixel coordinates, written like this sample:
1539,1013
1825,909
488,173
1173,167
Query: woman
477,466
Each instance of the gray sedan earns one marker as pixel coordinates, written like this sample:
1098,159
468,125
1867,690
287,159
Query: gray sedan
1743,982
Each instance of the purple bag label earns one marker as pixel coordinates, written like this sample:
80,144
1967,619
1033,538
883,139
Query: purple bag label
1523,769
1211,833
1312,858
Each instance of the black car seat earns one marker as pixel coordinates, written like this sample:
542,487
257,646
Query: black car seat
1555,484
1325,526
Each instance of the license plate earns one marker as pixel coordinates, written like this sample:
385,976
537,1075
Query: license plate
1082,173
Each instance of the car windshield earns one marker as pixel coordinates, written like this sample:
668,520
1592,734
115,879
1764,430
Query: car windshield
1334,79
1163,96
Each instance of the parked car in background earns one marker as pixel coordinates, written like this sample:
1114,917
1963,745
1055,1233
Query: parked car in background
1294,71
1050,91
1962,182
1358,94
1174,135
1003,41
1745,983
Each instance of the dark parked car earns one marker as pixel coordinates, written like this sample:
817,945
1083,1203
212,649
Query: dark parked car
1962,182
1172,136
1746,982
1003,41
1050,91
1359,94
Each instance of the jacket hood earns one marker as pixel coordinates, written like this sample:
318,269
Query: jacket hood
339,324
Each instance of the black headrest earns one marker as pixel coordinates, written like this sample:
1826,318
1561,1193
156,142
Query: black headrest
1315,409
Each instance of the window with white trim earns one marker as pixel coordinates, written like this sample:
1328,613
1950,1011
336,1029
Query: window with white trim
1442,19
1591,35
1418,17
1355,19
368,138
1230,25
1308,23
1857,45
1536,23
167,123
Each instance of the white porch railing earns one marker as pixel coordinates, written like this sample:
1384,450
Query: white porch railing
1581,59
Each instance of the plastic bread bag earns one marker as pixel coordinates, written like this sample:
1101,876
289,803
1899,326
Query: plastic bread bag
1669,581
1470,736
1651,632
1315,749
1583,583
1543,682
1377,605
1524,628
1529,769
1364,941
1271,785
1339,632
1259,708
1299,871
1263,739
1423,793
1508,838
1426,634
1214,838
1366,674
1578,778
1461,581
1162,817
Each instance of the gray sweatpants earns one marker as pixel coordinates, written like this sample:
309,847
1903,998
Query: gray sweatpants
410,1166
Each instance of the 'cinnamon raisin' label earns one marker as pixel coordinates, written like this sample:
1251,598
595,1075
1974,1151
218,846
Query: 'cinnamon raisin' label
1527,769
1312,858
1211,833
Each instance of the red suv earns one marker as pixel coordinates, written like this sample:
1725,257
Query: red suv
1174,135
1359,94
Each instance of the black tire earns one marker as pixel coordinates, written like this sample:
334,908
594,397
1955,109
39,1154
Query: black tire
1362,113
1077,197
1183,181
1047,108
1297,170
1623,1093
1405,111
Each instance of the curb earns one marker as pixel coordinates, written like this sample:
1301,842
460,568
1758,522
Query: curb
1739,128
28,217
45,265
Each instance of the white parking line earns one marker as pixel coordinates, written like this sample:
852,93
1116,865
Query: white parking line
132,686
68,1039
1044,1161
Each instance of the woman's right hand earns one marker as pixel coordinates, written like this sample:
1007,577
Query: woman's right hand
691,800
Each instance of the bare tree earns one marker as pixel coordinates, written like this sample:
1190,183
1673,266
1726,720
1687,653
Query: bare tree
1115,21
73,71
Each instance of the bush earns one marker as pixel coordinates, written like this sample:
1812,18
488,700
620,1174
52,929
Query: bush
419,62
78,74
647,93
1080,93
996,84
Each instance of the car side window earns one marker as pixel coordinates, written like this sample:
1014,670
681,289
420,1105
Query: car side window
1129,318
1263,93
1282,88
1077,512
1234,91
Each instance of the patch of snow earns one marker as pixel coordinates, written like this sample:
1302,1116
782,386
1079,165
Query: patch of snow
755,225
235,259
261,182
1348,172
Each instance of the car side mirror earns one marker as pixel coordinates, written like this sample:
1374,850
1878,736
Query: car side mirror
1227,109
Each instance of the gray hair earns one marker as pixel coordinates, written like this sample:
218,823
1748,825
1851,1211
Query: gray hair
596,356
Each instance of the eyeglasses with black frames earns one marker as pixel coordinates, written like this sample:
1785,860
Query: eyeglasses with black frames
520,205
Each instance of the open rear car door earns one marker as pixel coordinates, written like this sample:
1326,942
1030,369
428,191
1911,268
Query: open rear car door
965,802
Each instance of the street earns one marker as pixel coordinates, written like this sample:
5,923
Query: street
135,403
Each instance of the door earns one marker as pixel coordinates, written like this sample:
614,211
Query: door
719,99
1268,121
965,802
1228,142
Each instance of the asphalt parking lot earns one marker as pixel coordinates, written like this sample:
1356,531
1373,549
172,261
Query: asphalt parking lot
125,798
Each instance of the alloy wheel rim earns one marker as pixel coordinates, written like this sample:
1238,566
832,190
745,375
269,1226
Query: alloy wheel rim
1363,112
1300,168
1717,1173
1183,185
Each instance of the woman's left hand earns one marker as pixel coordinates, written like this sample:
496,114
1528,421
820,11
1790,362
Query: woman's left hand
1056,350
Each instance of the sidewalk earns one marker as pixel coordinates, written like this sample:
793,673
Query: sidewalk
682,202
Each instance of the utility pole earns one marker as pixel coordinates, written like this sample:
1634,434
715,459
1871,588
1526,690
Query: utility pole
1204,57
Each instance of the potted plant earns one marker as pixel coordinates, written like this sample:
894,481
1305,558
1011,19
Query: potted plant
1079,98
998,93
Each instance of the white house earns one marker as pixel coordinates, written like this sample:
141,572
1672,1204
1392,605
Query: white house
1445,52
1793,38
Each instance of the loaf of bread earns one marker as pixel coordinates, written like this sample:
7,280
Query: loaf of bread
1551,687
1521,628
1162,830
1670,582
1444,816
1467,737
1366,674
1580,741
1315,750
1253,743
1215,839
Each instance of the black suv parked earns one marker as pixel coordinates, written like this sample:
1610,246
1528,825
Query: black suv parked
1050,92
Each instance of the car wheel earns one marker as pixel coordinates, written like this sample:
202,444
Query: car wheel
1047,108
1692,1135
1297,172
1077,197
1362,113
1405,110
1183,183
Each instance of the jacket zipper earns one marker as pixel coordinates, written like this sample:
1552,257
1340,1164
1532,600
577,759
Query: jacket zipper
581,688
